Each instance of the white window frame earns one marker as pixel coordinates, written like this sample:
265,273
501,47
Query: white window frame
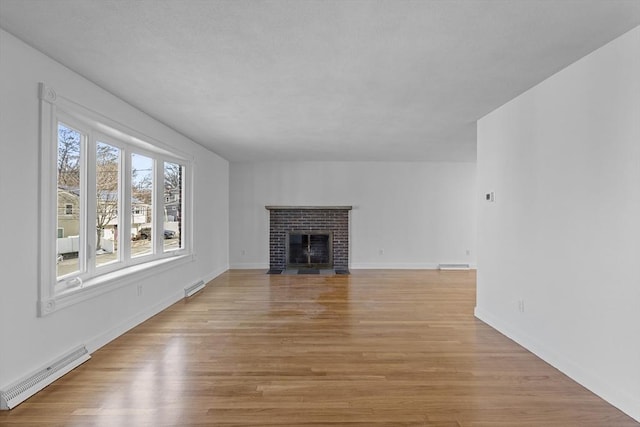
95,280
163,203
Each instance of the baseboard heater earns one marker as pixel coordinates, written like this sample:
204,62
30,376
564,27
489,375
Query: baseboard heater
23,389
193,289
453,267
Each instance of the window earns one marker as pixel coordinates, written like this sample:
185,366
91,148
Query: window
173,173
107,203
142,199
70,151
115,197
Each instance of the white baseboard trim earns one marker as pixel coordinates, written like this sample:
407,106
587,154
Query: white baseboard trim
130,323
393,266
249,266
618,398
399,266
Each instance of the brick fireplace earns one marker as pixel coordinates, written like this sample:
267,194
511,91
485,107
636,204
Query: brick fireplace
308,236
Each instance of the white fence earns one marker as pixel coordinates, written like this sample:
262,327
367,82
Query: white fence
71,244
68,245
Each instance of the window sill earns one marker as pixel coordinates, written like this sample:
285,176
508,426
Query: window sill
110,281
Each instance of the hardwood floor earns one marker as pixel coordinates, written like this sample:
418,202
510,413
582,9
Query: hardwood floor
393,348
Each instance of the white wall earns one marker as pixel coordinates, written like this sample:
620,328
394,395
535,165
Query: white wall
564,232
418,214
28,342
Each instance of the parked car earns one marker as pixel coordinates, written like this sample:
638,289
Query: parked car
145,233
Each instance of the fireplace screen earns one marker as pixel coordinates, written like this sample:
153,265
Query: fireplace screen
310,249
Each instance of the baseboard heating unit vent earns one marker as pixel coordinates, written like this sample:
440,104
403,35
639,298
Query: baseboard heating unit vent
22,390
193,289
453,267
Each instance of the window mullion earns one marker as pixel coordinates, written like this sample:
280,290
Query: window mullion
185,214
83,218
91,205
125,216
123,236
187,211
158,206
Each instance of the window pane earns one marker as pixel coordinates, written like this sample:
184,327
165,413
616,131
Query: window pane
141,203
68,209
107,174
173,173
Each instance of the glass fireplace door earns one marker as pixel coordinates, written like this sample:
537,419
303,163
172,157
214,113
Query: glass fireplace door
309,249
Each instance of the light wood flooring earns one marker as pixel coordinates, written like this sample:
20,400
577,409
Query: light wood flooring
375,348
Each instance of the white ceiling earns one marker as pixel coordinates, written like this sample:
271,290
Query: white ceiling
324,79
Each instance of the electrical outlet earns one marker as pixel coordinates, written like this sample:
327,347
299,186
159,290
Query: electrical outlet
380,251
521,305
243,252
468,251
139,290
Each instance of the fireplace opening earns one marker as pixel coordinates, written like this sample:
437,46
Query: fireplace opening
309,249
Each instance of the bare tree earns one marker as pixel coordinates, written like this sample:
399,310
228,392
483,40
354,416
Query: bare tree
68,158
172,177
107,171
142,185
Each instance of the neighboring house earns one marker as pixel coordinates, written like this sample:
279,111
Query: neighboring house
172,205
107,215
141,215
68,212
